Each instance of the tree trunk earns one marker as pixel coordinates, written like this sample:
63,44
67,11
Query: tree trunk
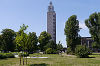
23,58
20,60
26,58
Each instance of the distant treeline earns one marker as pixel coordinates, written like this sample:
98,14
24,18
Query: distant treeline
23,41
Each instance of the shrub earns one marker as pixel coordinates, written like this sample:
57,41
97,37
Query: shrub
69,51
89,51
9,55
82,51
55,52
2,56
49,51
6,55
37,54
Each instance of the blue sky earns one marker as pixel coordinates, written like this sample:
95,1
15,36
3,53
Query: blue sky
14,13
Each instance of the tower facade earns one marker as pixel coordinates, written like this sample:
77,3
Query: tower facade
51,22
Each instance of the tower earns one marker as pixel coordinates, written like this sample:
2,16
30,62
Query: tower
51,22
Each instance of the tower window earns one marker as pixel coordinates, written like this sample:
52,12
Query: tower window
54,19
54,15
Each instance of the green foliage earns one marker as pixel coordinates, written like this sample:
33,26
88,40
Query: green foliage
6,55
22,38
1,43
82,51
7,37
69,51
37,54
59,46
25,54
95,45
93,23
43,39
51,44
71,32
9,55
49,51
55,51
2,56
32,42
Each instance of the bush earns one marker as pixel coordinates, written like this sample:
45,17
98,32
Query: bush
69,51
82,51
6,55
9,55
2,56
55,52
89,51
37,54
49,51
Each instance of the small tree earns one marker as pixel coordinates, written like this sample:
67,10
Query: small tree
22,40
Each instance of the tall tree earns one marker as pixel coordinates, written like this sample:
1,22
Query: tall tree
32,42
93,23
43,39
1,42
71,32
7,37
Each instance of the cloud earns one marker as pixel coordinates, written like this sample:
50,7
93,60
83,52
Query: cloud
82,25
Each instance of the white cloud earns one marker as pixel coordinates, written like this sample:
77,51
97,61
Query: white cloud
82,25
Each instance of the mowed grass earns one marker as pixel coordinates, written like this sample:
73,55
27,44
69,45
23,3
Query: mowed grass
56,60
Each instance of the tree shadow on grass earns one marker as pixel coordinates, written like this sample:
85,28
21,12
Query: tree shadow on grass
4,59
91,57
87,57
42,64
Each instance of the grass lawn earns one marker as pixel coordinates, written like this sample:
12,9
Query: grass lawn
56,60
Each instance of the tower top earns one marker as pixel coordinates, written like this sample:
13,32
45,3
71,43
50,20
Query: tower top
51,7
50,2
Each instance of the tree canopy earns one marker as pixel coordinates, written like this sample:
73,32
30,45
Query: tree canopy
32,42
71,32
93,23
43,39
22,38
7,37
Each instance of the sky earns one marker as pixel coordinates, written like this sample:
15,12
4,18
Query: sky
14,13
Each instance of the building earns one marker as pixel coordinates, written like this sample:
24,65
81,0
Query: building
87,41
51,22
